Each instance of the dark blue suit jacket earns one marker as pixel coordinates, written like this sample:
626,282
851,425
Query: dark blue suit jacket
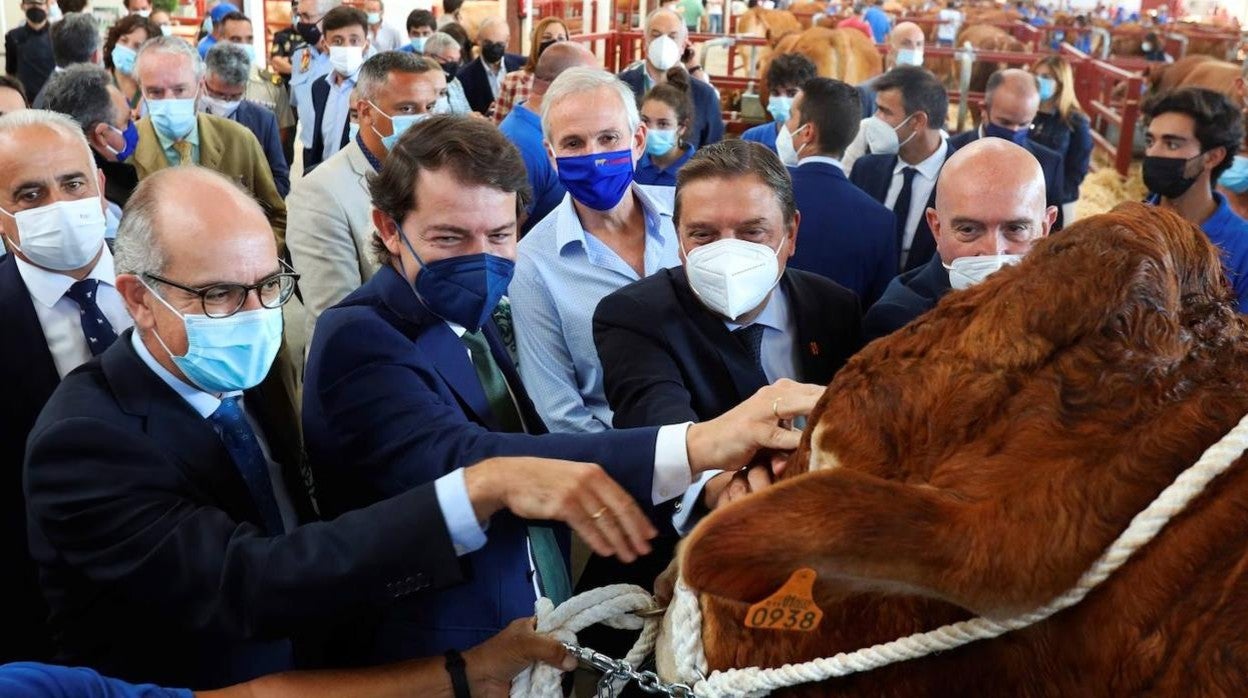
152,552
844,235
391,401
907,297
320,97
708,118
29,376
1050,162
261,122
476,82
874,174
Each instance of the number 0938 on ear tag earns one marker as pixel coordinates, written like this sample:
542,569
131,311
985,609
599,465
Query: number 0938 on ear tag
791,608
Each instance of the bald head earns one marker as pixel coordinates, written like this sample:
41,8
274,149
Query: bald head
561,56
1011,100
907,35
990,200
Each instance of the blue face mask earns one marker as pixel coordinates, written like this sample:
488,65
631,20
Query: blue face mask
250,51
131,134
123,59
172,118
353,130
1048,88
230,353
660,142
1235,178
779,108
418,43
1019,137
398,124
463,290
597,180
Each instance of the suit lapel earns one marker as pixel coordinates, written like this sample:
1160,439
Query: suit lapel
148,156
745,376
273,405
814,344
31,362
528,412
211,148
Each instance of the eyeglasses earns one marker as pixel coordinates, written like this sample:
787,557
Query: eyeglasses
224,300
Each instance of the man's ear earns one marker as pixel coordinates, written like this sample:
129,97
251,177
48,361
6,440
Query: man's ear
389,232
933,222
639,142
1050,217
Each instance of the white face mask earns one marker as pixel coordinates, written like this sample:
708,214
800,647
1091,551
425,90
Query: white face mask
966,272
346,60
910,56
784,146
218,107
663,53
731,277
881,137
62,236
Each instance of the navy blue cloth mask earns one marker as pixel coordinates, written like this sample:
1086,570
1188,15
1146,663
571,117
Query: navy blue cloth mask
1019,137
598,180
463,290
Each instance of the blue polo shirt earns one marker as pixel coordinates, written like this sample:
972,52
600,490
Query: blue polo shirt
647,172
763,133
880,23
524,129
1230,233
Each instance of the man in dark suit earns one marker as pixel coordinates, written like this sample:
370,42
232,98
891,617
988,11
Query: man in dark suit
482,78
914,104
846,235
665,41
989,211
1011,101
227,69
407,381
169,508
346,36
44,285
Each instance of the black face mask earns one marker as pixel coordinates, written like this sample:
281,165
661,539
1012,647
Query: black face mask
451,68
36,15
310,33
1165,176
492,51
541,48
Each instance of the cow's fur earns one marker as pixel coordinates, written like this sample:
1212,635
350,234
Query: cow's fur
987,453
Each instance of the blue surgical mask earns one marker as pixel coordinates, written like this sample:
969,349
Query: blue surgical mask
131,134
660,142
353,131
123,59
597,180
229,353
463,290
418,43
1048,88
779,108
172,118
398,124
1235,178
374,18
250,50
1019,137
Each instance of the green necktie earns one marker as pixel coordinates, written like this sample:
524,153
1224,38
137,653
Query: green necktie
552,572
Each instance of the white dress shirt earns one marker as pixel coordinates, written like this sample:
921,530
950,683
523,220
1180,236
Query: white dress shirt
337,112
496,76
60,317
920,190
386,38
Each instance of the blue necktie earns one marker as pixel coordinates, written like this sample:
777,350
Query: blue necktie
95,327
901,207
244,449
751,338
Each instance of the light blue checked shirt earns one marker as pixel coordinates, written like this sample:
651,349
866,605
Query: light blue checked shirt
562,272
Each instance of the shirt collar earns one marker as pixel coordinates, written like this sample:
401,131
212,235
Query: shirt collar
823,159
929,168
368,154
570,230
192,137
204,404
48,287
774,315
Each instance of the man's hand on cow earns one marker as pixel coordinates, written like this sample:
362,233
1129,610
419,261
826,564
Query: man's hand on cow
582,495
761,423
492,665
726,488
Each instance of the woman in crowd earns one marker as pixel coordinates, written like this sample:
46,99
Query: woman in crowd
121,48
667,111
516,85
1061,125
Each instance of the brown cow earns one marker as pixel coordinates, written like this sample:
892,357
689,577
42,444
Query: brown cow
844,54
1195,71
985,38
979,460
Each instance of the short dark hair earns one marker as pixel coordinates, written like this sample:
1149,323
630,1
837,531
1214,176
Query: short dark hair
235,16
81,93
835,109
421,18
123,27
475,152
68,6
74,39
920,92
450,7
342,17
460,35
790,69
738,158
375,72
1218,121
16,85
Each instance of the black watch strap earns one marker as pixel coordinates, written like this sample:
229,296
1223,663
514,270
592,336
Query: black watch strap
459,677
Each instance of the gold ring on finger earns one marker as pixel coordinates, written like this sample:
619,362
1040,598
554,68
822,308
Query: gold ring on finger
775,408
598,514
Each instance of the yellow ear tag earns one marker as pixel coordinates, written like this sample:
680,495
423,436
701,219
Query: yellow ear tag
791,608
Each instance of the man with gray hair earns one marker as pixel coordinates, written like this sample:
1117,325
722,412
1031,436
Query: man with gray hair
75,40
169,71
446,52
227,70
58,307
483,77
263,88
330,229
607,232
666,39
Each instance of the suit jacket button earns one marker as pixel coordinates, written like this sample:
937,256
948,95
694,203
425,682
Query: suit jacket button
678,506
